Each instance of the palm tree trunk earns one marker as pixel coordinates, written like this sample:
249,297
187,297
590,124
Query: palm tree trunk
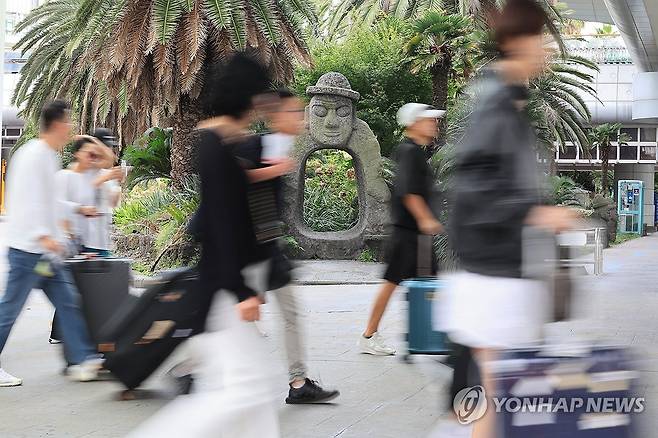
183,155
605,156
440,97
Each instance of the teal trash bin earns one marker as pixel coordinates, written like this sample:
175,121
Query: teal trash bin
421,336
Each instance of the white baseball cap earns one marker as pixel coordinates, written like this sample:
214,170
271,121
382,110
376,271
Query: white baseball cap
410,113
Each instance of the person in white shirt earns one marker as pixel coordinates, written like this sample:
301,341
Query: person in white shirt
90,191
87,182
34,211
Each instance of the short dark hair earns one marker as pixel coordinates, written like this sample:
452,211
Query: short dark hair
230,87
54,111
78,144
518,18
284,93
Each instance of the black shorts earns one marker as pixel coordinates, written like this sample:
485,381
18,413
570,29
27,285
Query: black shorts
403,256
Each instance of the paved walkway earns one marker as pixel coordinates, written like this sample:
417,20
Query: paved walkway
381,397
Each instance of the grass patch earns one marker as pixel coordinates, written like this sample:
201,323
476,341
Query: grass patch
367,256
624,237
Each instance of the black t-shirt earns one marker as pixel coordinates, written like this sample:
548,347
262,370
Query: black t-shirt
413,177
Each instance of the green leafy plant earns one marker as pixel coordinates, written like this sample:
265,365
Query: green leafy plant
623,238
162,212
445,46
367,256
149,156
330,192
556,106
564,191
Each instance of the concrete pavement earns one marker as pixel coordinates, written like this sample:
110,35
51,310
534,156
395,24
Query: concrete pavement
381,397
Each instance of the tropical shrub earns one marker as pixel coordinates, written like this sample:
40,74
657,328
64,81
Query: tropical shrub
160,212
331,200
372,59
149,156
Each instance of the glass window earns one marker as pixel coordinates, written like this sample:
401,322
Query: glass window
647,153
631,133
628,152
614,153
568,153
13,132
648,134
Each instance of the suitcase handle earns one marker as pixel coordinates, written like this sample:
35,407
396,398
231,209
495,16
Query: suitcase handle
94,266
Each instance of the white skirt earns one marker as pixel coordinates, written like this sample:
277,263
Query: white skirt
492,312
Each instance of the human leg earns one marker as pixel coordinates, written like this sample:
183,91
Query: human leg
370,342
379,307
302,389
60,290
233,395
21,279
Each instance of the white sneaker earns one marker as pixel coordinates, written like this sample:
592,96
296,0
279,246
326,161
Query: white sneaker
7,379
374,345
84,372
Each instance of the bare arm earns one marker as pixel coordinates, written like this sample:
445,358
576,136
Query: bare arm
263,174
425,219
274,171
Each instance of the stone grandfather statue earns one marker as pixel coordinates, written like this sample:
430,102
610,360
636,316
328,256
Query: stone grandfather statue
332,124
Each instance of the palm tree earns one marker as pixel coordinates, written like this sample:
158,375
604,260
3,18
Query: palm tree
556,106
339,17
603,136
133,64
443,45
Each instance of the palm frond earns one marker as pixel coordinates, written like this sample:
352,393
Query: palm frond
166,14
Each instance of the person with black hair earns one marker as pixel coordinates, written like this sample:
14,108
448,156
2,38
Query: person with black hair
233,393
35,238
268,159
492,304
91,192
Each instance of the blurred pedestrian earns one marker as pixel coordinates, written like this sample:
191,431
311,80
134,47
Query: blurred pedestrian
91,191
35,241
489,305
90,188
233,394
412,215
268,159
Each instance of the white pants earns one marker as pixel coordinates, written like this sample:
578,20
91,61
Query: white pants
234,395
492,312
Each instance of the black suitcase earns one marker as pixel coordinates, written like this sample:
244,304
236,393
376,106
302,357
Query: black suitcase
104,286
147,330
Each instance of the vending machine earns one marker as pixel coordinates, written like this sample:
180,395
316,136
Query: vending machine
630,200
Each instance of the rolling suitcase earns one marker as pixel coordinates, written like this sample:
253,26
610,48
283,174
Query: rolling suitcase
146,331
540,393
103,285
421,293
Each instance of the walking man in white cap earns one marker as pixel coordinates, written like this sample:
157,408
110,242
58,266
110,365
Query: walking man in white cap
412,215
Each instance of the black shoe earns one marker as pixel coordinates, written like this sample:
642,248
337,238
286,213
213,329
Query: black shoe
184,384
311,392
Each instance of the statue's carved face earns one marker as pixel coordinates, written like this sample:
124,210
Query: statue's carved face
331,119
